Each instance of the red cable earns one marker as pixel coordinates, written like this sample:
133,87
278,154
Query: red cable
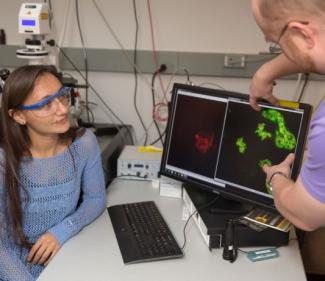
155,114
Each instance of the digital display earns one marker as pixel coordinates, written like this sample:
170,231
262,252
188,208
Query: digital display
28,22
215,139
197,138
254,138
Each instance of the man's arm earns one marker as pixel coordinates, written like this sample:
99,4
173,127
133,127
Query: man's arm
263,80
296,204
292,199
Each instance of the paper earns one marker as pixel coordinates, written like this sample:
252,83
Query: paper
269,219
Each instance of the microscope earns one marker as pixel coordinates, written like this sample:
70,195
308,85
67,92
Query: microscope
34,20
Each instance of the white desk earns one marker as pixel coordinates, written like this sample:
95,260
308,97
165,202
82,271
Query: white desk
94,253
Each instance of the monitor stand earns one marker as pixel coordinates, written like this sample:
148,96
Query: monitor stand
224,205
221,205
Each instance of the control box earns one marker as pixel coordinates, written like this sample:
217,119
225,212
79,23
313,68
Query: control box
133,164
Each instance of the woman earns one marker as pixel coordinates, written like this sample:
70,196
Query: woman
45,166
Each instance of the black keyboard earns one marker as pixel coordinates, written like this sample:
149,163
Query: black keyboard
142,233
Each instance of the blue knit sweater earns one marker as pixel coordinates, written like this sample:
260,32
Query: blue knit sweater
54,186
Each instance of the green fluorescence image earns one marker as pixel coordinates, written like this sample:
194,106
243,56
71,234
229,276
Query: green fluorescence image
242,146
260,131
284,139
262,162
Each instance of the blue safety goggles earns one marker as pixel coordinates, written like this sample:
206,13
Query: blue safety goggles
40,104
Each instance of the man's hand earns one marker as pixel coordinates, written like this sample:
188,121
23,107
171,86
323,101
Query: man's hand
263,80
283,167
261,88
44,249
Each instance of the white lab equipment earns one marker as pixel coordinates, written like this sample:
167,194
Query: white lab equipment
34,20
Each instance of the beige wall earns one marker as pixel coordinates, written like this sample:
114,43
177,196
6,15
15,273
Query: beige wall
183,25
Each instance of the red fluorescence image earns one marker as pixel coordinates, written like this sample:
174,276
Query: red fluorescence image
203,142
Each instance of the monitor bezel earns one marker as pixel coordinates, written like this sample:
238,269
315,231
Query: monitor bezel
230,191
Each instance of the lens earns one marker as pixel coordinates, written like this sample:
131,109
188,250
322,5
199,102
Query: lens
45,110
51,107
65,97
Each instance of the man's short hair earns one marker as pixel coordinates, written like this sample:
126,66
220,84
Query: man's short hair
281,10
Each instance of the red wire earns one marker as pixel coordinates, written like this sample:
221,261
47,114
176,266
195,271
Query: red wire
155,112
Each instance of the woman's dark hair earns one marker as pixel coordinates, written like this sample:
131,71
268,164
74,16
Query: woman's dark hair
15,140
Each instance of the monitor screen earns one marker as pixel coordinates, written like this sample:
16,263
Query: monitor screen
216,141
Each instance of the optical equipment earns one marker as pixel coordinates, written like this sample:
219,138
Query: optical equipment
34,20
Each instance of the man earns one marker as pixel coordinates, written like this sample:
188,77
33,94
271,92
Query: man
298,28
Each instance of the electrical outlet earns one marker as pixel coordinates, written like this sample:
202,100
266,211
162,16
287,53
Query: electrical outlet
234,61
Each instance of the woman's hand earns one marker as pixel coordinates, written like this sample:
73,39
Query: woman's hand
44,249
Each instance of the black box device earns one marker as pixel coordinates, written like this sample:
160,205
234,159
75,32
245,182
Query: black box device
213,223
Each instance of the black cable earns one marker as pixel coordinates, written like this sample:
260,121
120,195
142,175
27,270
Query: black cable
195,212
240,250
156,140
135,56
165,131
77,69
184,234
85,56
303,87
91,114
161,69
51,14
133,177
98,96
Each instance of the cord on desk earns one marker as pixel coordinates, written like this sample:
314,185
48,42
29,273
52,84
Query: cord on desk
242,251
125,178
195,212
184,234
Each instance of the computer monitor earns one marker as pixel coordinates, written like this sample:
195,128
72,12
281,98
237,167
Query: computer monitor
216,141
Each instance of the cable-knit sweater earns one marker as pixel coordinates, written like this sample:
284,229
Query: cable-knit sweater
54,186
